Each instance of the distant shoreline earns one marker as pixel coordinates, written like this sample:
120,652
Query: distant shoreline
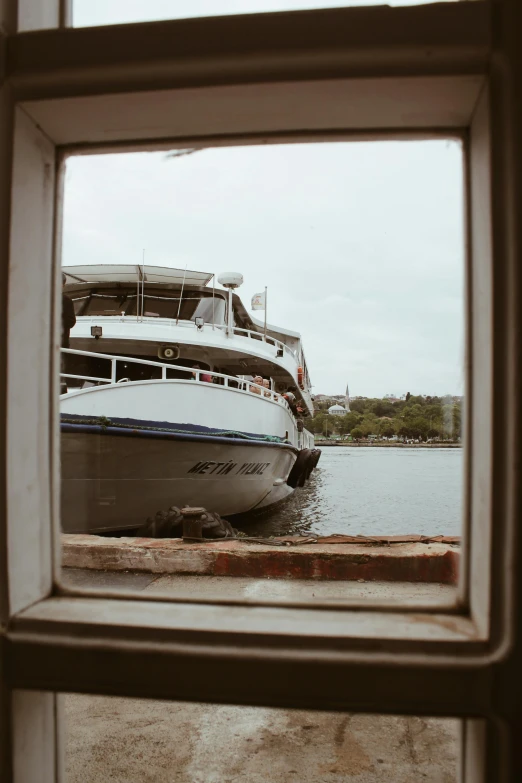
388,445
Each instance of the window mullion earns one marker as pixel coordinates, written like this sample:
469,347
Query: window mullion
491,751
43,14
68,644
6,143
30,737
430,40
28,303
36,737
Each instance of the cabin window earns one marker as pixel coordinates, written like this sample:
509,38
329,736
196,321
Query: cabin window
211,309
192,306
155,304
100,303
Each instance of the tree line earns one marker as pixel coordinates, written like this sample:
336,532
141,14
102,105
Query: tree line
415,417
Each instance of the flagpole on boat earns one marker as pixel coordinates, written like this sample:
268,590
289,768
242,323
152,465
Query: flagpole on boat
213,293
138,275
265,308
141,305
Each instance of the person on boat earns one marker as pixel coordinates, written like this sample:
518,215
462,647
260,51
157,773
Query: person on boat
266,384
203,376
289,396
259,382
68,316
294,402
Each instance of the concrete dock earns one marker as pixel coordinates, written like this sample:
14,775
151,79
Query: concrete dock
131,741
333,558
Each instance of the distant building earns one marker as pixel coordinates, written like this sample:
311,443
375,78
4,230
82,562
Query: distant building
336,410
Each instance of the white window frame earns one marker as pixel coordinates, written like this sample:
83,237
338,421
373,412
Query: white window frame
370,73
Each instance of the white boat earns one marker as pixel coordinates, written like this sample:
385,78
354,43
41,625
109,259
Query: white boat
143,429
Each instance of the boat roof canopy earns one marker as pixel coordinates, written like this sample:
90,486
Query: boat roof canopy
130,273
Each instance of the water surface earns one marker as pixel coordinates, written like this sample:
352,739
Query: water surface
372,491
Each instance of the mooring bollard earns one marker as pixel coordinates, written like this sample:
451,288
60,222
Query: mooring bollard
193,518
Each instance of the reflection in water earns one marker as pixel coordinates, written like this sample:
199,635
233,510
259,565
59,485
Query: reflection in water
372,491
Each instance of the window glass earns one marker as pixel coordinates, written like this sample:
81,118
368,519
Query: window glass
185,308
90,13
345,267
157,303
100,302
211,309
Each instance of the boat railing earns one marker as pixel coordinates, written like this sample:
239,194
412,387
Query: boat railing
228,381
249,333
261,337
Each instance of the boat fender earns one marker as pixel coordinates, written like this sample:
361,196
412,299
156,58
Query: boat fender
215,526
164,524
316,456
300,376
309,466
300,466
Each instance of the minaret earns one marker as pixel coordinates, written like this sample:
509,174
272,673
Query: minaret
347,400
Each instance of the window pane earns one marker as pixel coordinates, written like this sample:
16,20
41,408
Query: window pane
91,13
137,741
346,303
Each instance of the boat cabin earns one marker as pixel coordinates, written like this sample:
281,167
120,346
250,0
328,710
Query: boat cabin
174,317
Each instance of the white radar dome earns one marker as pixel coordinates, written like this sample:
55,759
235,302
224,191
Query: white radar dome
230,279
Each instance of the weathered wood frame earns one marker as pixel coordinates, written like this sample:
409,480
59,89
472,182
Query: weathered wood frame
375,72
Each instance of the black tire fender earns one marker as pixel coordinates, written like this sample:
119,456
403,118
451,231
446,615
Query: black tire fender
308,470
299,468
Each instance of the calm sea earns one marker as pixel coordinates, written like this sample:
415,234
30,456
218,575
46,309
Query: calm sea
372,491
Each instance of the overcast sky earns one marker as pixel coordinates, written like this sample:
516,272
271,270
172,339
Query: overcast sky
87,13
360,244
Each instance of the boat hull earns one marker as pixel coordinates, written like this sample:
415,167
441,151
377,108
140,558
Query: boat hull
114,479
